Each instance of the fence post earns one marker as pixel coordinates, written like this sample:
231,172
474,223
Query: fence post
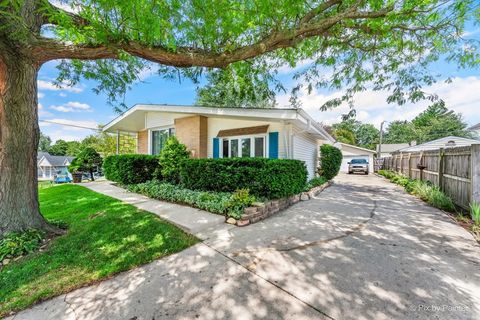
440,168
401,163
409,165
475,173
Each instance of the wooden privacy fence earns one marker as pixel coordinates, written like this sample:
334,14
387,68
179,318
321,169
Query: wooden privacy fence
456,171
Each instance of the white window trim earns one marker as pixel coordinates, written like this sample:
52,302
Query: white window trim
252,144
170,126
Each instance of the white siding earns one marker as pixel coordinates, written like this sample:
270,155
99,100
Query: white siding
217,124
305,148
162,119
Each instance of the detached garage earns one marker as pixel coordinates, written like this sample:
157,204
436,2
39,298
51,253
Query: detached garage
350,152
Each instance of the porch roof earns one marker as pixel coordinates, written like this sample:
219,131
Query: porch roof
134,119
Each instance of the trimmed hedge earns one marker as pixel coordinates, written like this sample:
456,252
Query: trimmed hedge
131,168
330,161
270,178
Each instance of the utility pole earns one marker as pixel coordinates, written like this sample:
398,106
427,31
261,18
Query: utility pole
379,155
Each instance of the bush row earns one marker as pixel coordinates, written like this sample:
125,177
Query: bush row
131,168
270,178
225,203
425,190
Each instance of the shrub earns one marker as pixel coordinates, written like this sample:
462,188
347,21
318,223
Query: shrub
315,182
131,168
15,244
270,178
475,212
171,158
239,200
422,189
87,160
217,202
330,161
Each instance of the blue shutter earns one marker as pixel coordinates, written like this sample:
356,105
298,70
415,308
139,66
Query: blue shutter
216,148
273,145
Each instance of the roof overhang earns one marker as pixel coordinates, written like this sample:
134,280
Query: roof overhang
134,119
357,148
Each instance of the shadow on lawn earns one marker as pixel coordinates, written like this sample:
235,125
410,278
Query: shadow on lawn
358,251
104,237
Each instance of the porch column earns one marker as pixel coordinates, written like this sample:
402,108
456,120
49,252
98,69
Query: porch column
118,142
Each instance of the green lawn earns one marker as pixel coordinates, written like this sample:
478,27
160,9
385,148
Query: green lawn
104,237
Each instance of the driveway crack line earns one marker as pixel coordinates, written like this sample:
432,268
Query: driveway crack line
70,306
271,282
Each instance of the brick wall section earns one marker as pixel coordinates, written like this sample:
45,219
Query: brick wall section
265,210
192,132
142,142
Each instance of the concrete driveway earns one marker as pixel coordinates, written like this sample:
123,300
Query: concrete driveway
363,249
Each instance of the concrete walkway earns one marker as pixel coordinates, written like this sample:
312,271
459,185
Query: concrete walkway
363,249
194,221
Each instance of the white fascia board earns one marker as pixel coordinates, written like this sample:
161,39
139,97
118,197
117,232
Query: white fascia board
281,114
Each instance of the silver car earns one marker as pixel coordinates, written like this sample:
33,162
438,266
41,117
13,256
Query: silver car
358,165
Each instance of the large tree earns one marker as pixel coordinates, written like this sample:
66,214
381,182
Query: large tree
435,122
384,43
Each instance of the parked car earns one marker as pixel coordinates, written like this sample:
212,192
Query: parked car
358,165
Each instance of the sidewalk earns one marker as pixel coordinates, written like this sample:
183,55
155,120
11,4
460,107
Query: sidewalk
194,221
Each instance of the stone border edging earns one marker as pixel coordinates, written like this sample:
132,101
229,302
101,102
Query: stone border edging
266,209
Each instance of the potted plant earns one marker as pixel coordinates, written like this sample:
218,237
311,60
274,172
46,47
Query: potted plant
74,169
87,160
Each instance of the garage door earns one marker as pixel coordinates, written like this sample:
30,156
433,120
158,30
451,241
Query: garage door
347,159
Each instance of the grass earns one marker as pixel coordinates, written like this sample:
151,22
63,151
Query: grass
42,184
104,237
422,189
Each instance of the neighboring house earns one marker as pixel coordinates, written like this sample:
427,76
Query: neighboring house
350,152
446,142
475,129
48,166
388,149
226,132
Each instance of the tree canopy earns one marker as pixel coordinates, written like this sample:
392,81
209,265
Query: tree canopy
435,122
240,45
356,133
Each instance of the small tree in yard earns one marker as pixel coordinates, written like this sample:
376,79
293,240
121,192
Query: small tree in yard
171,157
87,160
330,161
384,45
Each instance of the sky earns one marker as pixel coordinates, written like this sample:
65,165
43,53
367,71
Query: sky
80,106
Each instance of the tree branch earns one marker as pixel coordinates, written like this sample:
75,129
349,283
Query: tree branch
49,49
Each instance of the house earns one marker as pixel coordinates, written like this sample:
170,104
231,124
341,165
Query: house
446,142
350,152
475,129
226,132
388,149
48,166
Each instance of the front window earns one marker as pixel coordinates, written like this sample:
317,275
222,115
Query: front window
159,138
243,147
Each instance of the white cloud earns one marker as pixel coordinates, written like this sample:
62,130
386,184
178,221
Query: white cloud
67,129
461,95
72,107
42,112
40,95
70,125
47,85
65,6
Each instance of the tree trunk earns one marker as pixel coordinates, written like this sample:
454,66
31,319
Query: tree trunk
19,133
91,175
